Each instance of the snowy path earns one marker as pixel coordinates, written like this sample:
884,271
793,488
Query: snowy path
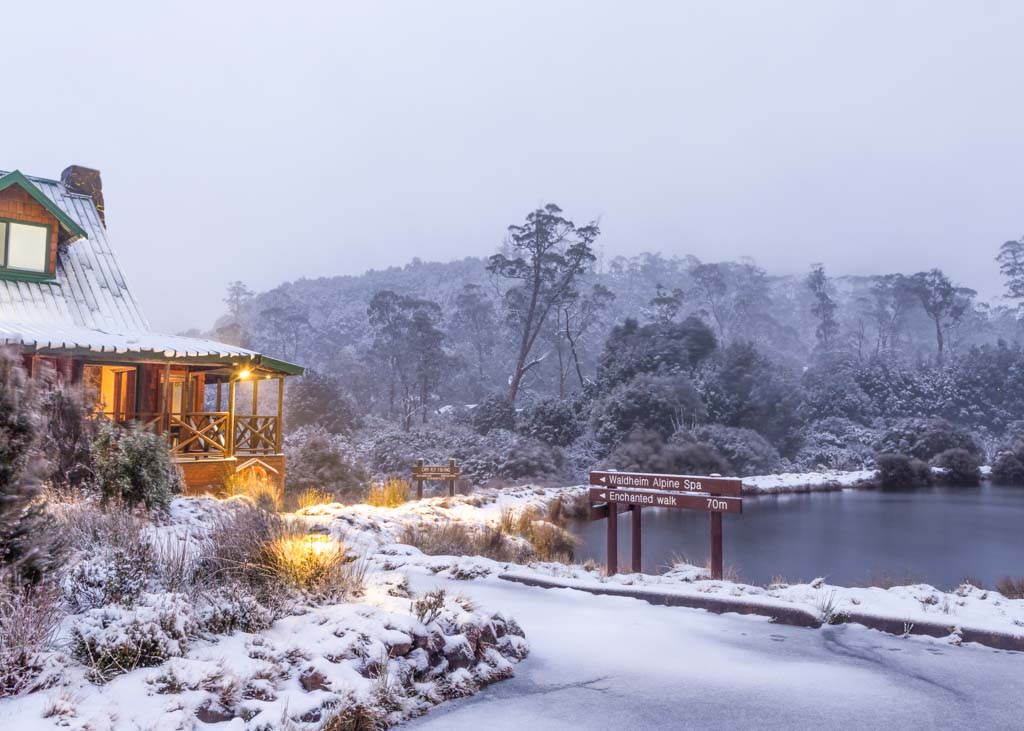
613,663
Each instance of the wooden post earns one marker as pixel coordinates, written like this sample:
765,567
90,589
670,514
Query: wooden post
280,412
219,384
229,448
637,566
255,394
716,545
613,539
165,416
451,482
419,481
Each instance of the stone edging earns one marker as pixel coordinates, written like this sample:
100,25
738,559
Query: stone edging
794,616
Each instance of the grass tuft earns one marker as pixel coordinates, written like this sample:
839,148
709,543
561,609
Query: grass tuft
390,493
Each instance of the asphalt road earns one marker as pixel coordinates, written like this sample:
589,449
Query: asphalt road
617,663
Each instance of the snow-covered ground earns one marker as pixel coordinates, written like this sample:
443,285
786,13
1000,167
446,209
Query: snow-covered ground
377,529
601,662
595,661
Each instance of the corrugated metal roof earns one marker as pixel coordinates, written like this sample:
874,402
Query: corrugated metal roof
89,305
72,337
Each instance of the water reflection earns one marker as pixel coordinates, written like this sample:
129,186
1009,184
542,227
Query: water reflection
936,535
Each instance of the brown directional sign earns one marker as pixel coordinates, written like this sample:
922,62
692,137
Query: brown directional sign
667,499
435,472
730,486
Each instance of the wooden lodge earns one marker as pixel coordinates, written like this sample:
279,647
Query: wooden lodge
65,302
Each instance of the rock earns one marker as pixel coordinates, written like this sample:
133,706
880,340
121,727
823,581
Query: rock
399,649
313,680
210,713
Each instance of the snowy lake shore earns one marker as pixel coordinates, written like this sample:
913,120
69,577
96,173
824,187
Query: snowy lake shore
967,610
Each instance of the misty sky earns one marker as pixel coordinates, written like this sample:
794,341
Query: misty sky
265,143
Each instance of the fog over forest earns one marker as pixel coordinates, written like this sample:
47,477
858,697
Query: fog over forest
650,361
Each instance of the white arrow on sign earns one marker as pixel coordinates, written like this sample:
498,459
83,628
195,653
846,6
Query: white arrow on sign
603,495
604,480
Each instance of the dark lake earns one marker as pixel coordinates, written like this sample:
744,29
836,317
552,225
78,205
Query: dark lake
936,535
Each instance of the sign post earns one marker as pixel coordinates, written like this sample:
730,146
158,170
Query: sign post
446,473
714,495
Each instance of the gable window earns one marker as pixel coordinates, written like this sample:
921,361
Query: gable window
24,247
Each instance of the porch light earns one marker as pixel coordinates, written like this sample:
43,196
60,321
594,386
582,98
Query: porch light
244,373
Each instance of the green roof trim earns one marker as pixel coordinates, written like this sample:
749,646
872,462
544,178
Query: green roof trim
17,178
281,365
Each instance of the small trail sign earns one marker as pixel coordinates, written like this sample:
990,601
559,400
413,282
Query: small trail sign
731,486
442,473
666,499
635,490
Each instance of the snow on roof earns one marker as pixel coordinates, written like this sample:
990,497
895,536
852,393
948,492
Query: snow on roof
72,337
89,306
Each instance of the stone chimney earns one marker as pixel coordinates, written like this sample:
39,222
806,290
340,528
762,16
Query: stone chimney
85,181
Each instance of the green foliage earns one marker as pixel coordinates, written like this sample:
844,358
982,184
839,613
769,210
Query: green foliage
898,471
648,402
647,451
494,412
134,466
320,460
318,399
745,450
1008,466
27,545
554,421
959,466
923,439
660,347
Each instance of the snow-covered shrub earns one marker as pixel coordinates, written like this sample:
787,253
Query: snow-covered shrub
836,444
554,421
68,434
26,542
667,347
1008,466
647,451
318,399
494,412
745,450
898,471
959,467
114,639
324,461
530,458
656,403
230,607
113,560
135,467
29,619
925,438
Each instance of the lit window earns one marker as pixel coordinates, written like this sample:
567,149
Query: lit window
25,247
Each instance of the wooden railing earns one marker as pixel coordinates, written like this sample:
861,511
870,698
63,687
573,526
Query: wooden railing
205,434
256,434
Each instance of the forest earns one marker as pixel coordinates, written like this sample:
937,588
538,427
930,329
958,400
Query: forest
541,360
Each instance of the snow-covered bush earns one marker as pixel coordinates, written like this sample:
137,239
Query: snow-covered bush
318,399
112,574
68,434
554,421
528,458
115,639
324,461
26,543
661,404
959,467
494,412
898,471
135,467
29,619
230,607
647,451
1008,466
925,438
836,444
745,450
